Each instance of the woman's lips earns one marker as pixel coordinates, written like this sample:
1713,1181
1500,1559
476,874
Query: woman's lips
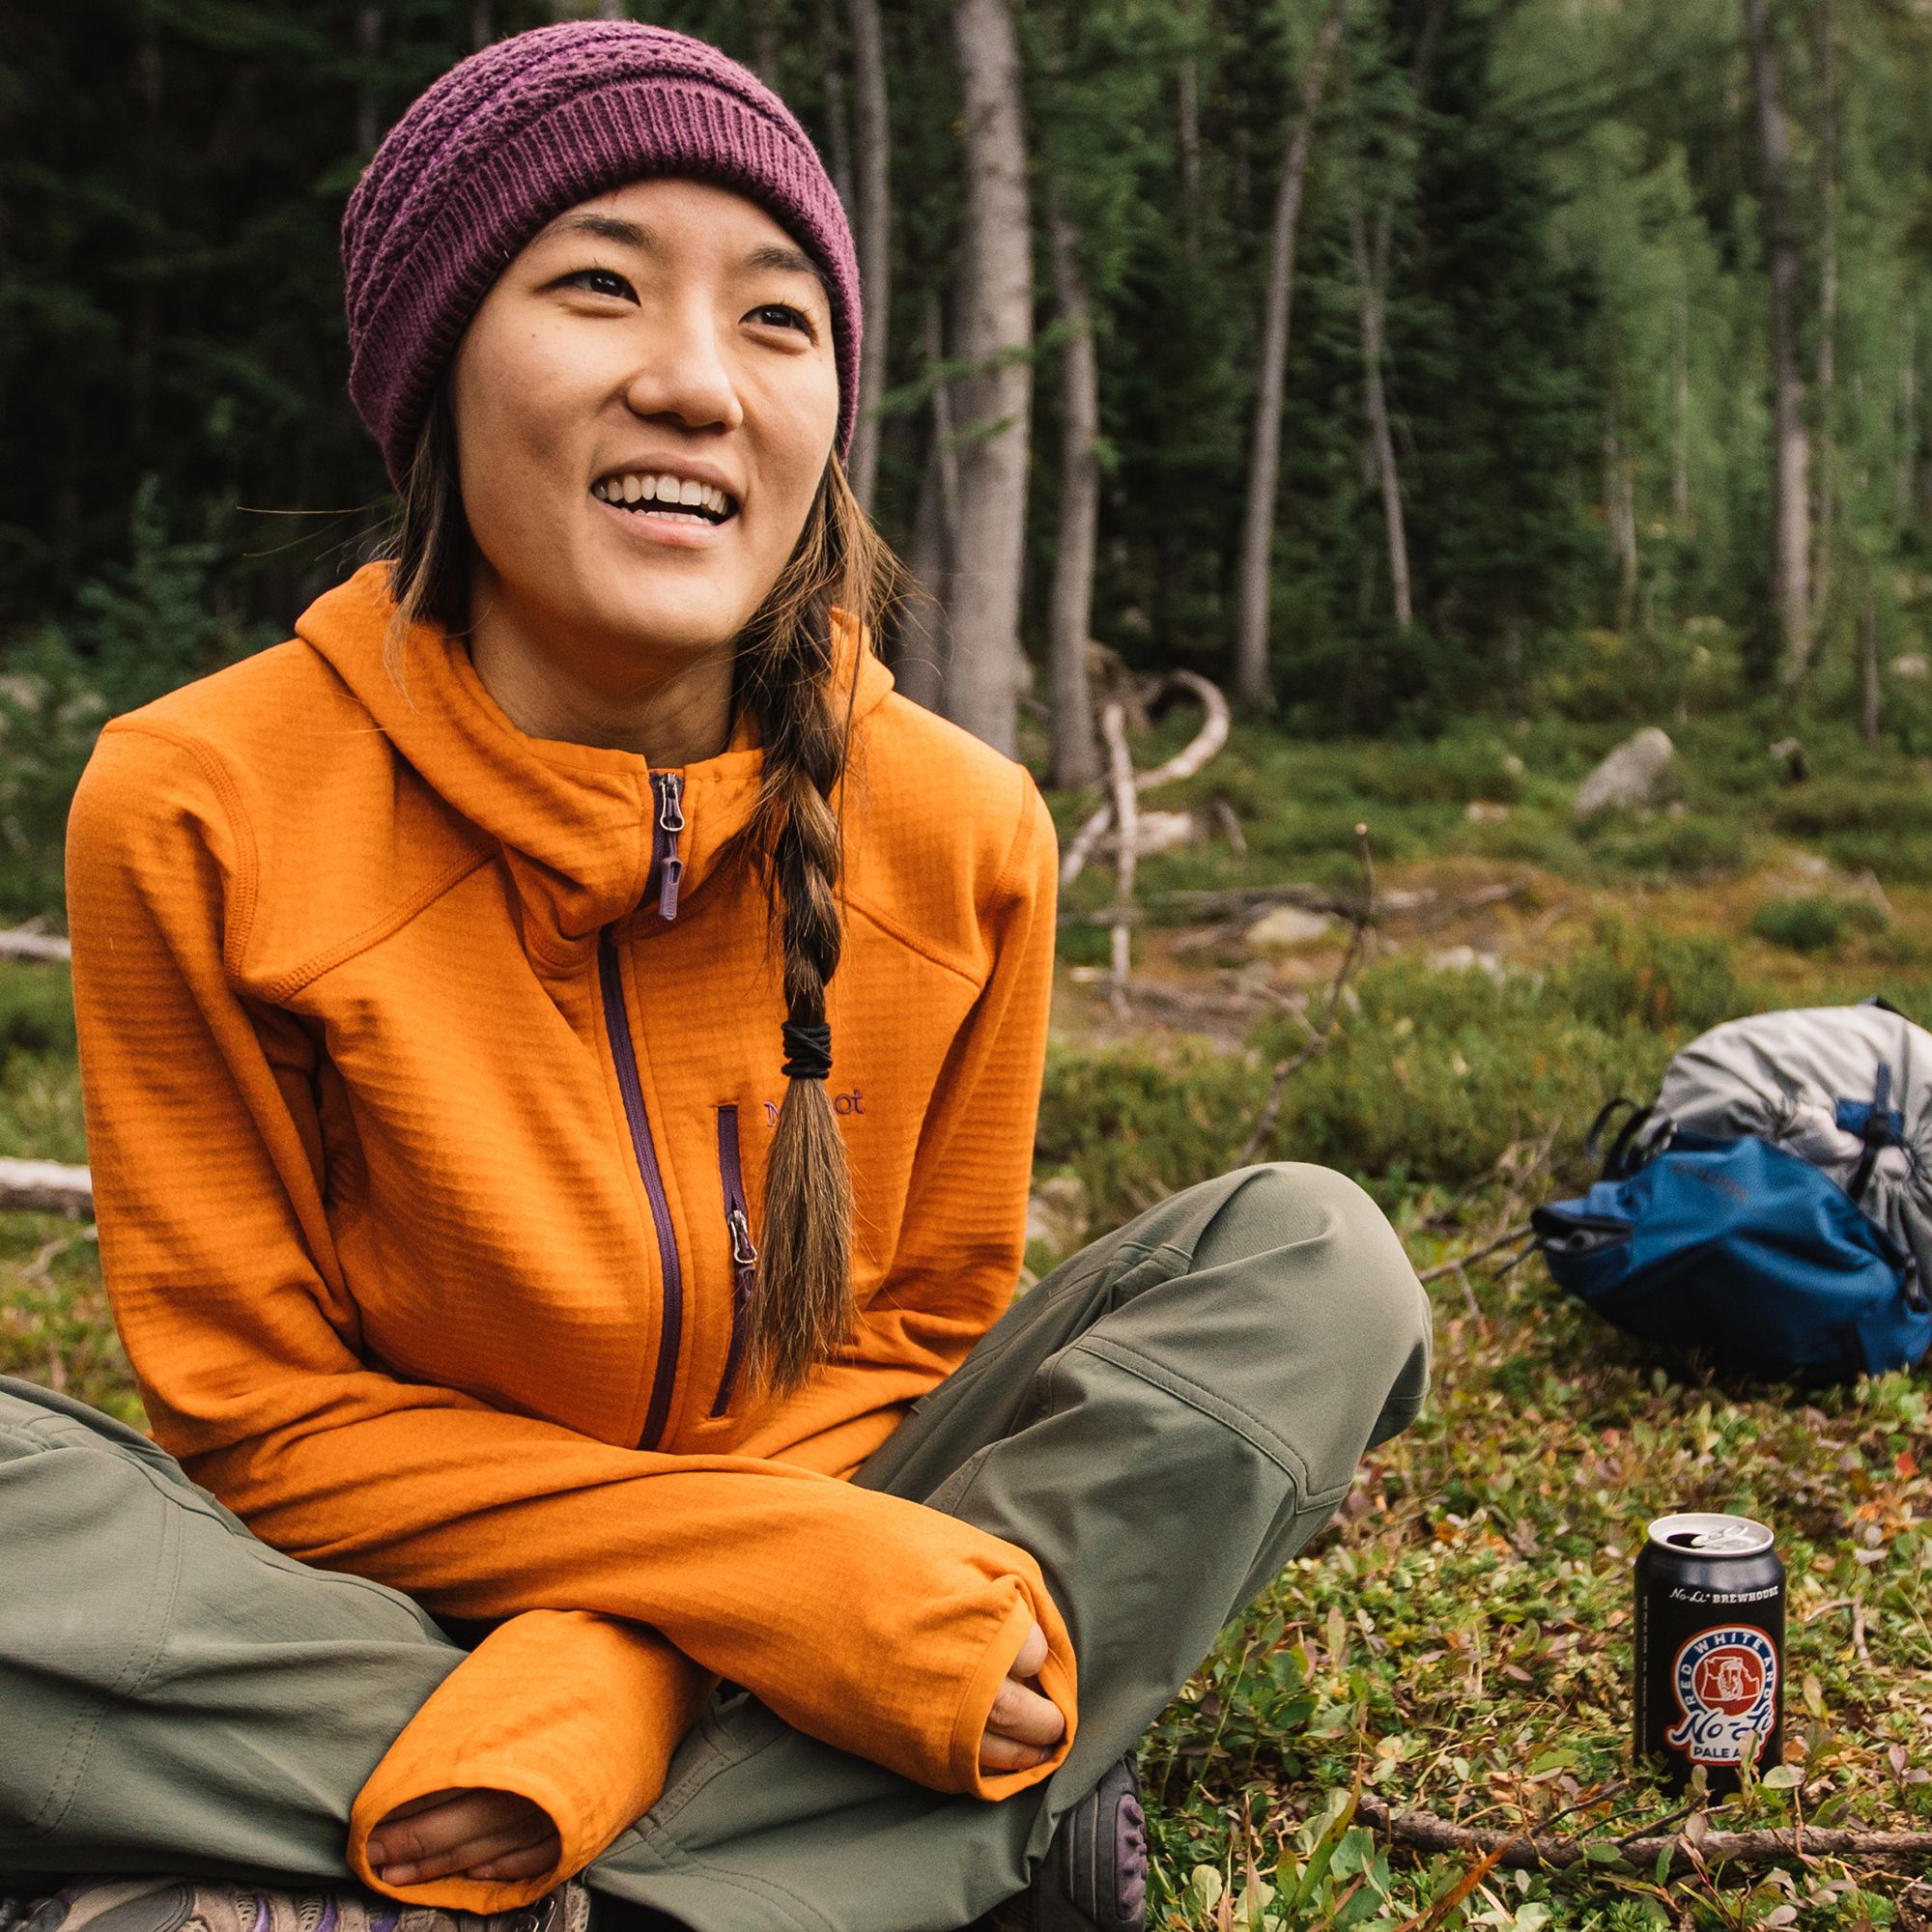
673,532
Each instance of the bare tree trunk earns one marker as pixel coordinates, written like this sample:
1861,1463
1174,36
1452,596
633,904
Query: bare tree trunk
1251,621
1680,403
1828,311
996,336
1908,410
1190,158
1791,587
1868,691
764,40
1076,752
838,109
919,668
1381,444
482,30
1619,515
368,45
873,227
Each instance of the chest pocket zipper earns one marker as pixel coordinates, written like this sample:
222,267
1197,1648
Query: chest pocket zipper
744,1256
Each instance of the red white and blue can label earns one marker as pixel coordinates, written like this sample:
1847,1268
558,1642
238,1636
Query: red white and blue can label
1725,1683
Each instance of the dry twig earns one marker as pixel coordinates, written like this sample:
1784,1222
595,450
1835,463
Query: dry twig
1212,736
1126,814
1424,1832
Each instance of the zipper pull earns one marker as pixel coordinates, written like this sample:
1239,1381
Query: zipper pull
671,822
744,1256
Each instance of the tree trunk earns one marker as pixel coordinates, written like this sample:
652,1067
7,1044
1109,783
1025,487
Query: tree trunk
1076,752
996,336
1381,444
1251,621
1190,158
838,109
1828,312
368,45
1908,412
1791,590
873,234
1680,404
919,668
1620,514
764,42
1868,694
481,30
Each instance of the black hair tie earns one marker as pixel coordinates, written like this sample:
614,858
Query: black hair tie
808,1049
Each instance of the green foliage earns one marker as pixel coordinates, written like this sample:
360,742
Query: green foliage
1815,921
141,629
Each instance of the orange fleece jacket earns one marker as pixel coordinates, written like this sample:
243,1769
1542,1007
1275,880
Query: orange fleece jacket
417,1130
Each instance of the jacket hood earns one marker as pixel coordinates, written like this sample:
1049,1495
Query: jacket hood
575,822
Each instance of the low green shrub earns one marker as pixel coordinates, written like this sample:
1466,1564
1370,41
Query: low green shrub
1815,921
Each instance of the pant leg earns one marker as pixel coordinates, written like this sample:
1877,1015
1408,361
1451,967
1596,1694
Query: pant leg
176,1695
1163,1421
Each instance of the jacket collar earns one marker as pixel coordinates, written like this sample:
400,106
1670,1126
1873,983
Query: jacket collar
574,822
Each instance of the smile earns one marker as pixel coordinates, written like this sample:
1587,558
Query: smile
679,500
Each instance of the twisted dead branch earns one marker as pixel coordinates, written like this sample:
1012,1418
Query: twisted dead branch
1424,1832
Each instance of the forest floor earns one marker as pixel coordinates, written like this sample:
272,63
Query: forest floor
1457,1641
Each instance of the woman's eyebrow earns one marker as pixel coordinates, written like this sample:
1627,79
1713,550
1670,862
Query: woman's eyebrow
607,228
787,260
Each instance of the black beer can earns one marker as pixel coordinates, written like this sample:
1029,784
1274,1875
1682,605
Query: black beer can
1710,1649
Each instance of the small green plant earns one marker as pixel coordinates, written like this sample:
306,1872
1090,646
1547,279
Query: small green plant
1815,921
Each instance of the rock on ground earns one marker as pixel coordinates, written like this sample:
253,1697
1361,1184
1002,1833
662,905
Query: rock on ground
1631,778
1286,926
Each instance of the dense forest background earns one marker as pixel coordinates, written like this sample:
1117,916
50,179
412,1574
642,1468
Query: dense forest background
1380,360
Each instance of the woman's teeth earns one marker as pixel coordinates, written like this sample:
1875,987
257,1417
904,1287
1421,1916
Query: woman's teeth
682,498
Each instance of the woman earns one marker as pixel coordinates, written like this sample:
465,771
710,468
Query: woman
560,1041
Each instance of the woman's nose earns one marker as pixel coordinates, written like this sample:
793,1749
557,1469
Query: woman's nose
683,373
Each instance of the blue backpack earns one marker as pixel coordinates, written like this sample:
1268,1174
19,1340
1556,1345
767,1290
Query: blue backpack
1740,1251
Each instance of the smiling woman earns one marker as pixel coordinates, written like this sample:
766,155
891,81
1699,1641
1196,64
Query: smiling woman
577,1473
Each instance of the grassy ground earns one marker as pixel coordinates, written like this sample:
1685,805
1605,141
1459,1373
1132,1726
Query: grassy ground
1459,1639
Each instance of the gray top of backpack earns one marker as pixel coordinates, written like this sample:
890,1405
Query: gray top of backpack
1810,1080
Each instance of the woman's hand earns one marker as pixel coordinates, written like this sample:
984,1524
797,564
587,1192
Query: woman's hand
468,1832
1024,1726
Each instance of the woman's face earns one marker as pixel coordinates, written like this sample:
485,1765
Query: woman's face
667,340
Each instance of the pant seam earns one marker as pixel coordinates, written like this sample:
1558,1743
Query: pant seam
1230,1414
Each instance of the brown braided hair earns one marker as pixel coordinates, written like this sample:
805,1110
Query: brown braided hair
802,1308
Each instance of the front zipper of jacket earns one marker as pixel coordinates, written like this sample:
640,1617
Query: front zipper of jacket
667,867
744,1256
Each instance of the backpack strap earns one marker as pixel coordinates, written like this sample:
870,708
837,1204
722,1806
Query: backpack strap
1627,1153
1879,1131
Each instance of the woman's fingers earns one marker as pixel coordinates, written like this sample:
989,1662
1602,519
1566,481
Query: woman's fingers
1033,1654
458,1830
1024,1716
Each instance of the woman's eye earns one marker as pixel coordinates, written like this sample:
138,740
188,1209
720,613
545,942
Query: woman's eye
606,274
787,316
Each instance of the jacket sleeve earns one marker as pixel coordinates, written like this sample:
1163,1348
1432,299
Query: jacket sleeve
962,1237
219,1266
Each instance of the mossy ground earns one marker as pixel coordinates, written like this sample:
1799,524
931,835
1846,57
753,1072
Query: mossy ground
1459,1638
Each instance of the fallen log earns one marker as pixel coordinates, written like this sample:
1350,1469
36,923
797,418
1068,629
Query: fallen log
21,942
1530,1851
46,1187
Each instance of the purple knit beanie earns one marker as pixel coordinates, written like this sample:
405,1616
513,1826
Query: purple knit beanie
524,128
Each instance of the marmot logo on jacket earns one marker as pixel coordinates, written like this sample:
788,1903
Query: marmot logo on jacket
841,1103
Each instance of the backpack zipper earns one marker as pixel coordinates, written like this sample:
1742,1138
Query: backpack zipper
744,1256
669,867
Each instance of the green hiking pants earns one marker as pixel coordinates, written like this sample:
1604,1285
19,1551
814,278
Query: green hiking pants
1163,1421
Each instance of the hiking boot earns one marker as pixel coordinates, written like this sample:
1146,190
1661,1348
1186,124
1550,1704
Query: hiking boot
1094,1876
218,1905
